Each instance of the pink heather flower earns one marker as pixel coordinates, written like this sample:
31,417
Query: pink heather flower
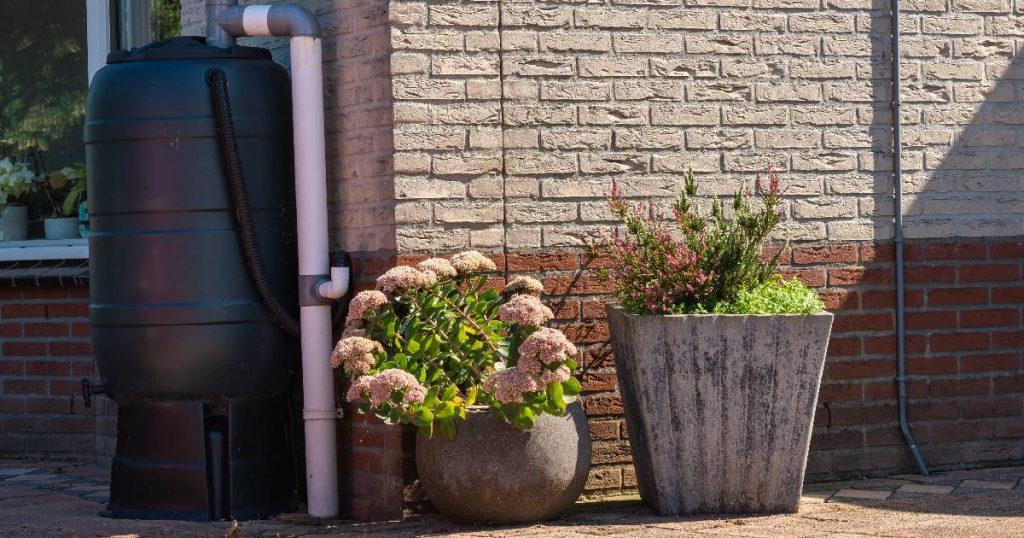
360,385
363,303
545,346
355,354
405,277
472,261
509,385
387,382
524,285
439,266
525,310
559,375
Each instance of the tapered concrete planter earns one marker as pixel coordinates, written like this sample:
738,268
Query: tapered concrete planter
494,473
719,408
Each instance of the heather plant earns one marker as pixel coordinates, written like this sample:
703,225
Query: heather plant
434,339
696,263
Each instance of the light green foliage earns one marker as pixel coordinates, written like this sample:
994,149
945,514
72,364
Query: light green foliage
775,296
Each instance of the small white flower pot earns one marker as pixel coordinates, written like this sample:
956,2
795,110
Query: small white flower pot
62,228
13,223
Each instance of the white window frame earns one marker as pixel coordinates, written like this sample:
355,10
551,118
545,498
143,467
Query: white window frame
97,37
97,34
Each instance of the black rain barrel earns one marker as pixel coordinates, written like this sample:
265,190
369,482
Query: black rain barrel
174,312
200,371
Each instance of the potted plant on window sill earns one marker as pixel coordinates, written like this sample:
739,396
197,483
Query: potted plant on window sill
719,359
64,191
16,182
492,392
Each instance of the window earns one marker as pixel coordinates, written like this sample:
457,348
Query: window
143,21
49,50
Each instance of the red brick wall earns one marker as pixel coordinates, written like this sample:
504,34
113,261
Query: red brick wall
965,338
44,353
964,343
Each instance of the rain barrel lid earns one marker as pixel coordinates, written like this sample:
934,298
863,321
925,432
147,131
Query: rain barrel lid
185,48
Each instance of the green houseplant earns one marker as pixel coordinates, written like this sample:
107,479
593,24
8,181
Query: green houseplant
16,182
64,190
718,357
490,389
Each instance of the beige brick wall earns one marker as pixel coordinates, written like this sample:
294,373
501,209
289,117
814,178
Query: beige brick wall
638,91
511,119
357,97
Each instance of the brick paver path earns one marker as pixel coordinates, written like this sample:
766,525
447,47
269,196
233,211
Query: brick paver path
43,500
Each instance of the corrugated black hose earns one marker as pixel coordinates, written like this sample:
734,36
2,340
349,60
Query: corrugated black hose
218,82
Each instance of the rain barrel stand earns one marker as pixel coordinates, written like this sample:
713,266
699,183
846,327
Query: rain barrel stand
206,461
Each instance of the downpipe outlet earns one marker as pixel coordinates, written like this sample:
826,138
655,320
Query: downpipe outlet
319,282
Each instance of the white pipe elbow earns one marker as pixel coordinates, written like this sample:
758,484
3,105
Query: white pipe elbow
337,286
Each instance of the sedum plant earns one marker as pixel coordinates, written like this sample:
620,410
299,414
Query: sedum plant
698,264
434,339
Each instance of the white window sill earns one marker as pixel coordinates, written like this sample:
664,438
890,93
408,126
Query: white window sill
44,249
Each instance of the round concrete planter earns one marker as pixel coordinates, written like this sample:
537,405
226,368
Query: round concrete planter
494,473
719,408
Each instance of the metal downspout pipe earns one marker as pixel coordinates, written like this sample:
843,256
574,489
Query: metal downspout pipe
318,282
897,166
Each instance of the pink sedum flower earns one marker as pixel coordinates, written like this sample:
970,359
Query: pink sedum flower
524,285
439,266
525,310
405,277
363,303
360,386
509,385
355,354
558,375
387,382
471,261
546,346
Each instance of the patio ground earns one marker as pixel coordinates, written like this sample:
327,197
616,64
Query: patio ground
49,499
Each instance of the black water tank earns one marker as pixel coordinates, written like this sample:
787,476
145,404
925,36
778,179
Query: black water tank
174,313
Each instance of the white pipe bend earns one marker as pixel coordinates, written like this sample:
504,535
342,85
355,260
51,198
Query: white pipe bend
337,286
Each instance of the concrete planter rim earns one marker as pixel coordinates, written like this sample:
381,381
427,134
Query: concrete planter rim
622,310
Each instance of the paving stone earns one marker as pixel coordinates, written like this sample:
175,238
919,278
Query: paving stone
98,497
869,494
86,490
906,495
11,472
925,489
40,479
986,484
967,491
828,486
879,484
816,496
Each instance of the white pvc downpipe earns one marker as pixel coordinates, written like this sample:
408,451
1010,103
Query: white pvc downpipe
320,410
